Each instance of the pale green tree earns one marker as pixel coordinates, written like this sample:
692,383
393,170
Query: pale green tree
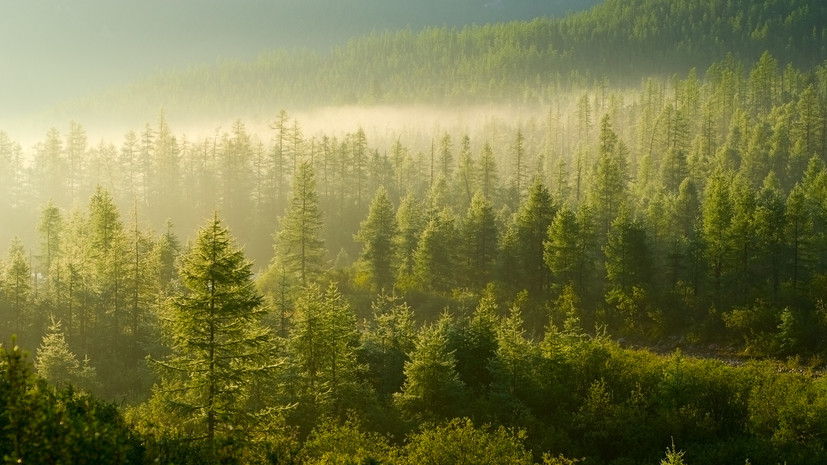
299,246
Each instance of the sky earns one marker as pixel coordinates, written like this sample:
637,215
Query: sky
54,50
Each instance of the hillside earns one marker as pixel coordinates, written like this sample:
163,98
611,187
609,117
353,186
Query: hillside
514,62
64,50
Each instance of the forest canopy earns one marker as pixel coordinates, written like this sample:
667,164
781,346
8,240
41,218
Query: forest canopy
520,62
625,253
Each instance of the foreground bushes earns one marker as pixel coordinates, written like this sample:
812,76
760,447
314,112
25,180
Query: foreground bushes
583,398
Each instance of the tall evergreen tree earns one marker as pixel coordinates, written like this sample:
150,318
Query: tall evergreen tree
216,341
299,246
51,230
410,222
798,232
523,242
432,388
378,232
435,255
18,292
609,181
487,177
478,246
323,347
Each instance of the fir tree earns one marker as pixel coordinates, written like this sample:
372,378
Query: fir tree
378,233
298,244
217,344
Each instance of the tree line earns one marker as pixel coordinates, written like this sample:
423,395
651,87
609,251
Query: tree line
450,279
520,61
470,387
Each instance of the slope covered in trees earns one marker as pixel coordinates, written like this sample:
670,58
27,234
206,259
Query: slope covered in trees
448,292
688,212
516,62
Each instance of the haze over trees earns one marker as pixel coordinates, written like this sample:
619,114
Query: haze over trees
625,254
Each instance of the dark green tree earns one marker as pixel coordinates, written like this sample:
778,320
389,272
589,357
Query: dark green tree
479,248
436,252
798,233
216,342
487,174
522,266
608,188
322,348
379,232
409,218
432,389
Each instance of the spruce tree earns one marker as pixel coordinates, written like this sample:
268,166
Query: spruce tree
378,233
432,388
58,365
216,342
479,246
298,244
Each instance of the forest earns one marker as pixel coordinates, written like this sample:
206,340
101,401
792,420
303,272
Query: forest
604,271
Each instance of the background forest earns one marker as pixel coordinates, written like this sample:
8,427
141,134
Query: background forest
591,239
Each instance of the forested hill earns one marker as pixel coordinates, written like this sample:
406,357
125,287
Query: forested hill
520,61
62,50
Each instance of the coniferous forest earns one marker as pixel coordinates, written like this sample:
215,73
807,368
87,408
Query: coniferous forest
598,238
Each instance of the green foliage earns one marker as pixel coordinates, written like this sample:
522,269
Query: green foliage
388,341
216,341
59,366
459,441
42,424
432,389
692,215
344,443
378,232
479,248
298,243
673,456
435,254
520,62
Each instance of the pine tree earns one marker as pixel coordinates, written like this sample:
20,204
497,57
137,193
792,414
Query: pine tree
110,258
410,222
523,242
18,293
378,232
513,365
389,338
58,365
299,246
51,230
217,344
609,181
488,173
716,216
798,232
465,179
432,388
478,343
478,244
628,261
322,348
435,255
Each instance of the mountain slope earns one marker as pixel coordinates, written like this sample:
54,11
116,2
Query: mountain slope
57,50
521,61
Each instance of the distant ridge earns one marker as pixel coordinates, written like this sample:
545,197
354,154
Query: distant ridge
519,61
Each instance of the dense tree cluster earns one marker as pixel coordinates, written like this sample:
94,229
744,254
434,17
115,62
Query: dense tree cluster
616,41
446,297
691,208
